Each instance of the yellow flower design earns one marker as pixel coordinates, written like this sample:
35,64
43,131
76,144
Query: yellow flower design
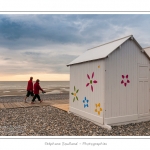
98,108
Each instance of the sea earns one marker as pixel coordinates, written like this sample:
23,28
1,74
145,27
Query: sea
18,88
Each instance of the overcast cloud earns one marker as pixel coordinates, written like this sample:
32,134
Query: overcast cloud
47,43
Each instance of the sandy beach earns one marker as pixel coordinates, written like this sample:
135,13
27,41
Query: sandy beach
51,121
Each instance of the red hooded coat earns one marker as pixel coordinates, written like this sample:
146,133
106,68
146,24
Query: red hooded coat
30,85
37,88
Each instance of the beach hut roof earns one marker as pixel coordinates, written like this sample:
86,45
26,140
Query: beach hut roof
147,51
101,51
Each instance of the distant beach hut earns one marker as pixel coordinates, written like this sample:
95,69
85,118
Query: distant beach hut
109,84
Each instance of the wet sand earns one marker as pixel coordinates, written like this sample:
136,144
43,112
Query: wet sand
22,92
55,96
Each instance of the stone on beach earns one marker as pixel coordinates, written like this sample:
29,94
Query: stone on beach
51,121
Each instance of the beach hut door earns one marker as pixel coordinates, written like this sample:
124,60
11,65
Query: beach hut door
143,90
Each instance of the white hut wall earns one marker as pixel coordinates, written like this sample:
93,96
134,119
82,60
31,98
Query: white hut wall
79,79
122,100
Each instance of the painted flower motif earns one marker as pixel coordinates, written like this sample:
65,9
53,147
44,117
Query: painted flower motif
91,81
85,101
125,80
98,108
75,94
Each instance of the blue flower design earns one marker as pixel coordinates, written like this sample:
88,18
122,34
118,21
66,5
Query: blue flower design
85,101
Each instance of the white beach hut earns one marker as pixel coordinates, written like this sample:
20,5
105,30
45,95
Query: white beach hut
109,84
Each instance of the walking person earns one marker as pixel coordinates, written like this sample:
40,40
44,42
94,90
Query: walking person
36,91
29,89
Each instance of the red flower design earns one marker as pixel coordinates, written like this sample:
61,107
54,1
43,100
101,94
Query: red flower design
127,81
91,81
92,88
88,76
94,81
122,81
92,74
87,84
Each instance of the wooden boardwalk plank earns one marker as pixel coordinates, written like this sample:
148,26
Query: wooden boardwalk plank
36,104
61,104
6,105
9,104
14,105
47,103
2,106
18,104
25,104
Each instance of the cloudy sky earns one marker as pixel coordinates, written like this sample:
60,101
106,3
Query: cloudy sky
42,45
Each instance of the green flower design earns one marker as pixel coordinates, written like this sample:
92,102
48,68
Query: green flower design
75,94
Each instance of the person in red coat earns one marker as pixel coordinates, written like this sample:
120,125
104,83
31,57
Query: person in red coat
36,91
29,89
